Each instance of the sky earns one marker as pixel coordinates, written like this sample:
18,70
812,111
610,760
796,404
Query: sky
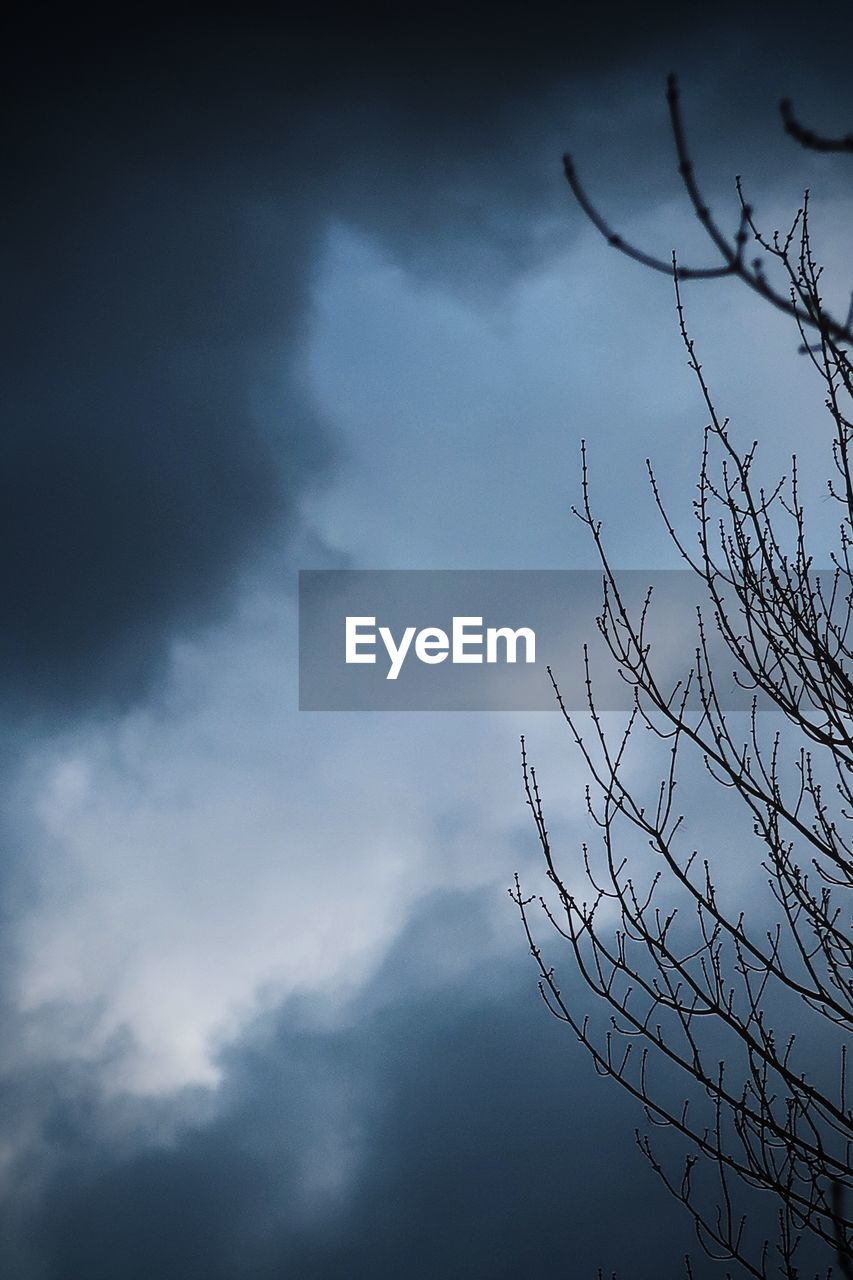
295,290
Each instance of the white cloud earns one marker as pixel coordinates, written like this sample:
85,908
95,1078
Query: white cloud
222,849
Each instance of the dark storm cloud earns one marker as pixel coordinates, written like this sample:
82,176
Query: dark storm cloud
154,430
170,181
158,248
472,1141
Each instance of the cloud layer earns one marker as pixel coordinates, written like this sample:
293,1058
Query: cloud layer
444,1127
283,290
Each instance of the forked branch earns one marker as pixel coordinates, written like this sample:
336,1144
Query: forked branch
731,249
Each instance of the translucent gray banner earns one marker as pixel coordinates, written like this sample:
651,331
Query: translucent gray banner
482,640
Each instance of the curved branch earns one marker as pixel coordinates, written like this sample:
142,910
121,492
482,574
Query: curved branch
807,137
624,246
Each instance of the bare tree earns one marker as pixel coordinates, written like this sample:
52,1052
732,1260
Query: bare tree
727,1021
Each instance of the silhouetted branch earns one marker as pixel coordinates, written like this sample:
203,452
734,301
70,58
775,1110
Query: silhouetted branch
694,984
731,250
807,137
